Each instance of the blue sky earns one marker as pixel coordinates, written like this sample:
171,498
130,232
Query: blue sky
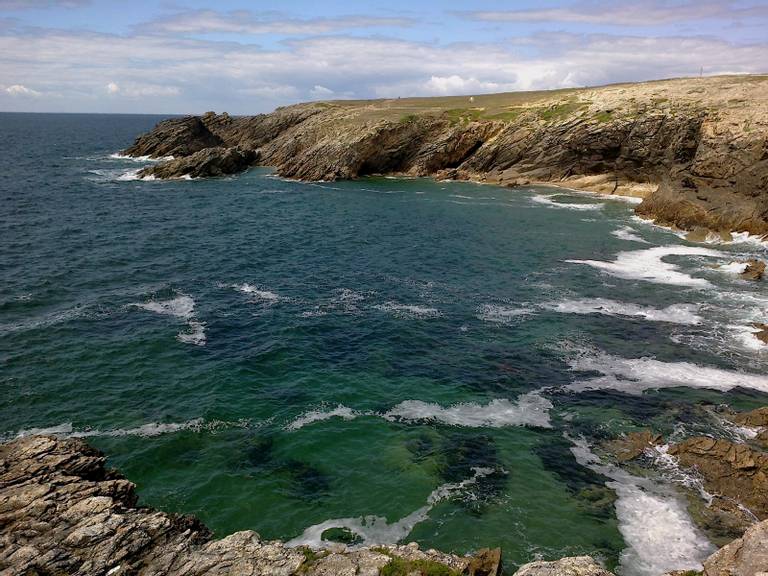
245,57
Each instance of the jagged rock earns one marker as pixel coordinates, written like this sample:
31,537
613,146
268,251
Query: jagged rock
762,332
63,512
754,270
633,445
575,566
754,418
174,137
207,162
732,470
747,556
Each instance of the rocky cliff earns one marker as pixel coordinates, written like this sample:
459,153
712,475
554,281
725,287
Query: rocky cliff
696,150
63,512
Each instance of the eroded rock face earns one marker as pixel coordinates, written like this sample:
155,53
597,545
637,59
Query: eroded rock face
63,512
575,566
174,137
208,162
747,556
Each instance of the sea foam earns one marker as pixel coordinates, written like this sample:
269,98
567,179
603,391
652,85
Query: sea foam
649,266
530,409
182,307
635,375
675,314
628,233
654,522
548,200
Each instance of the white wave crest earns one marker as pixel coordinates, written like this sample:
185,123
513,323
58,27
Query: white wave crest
676,313
118,156
375,530
654,522
257,293
530,409
182,307
313,416
149,430
635,375
649,266
502,314
408,310
547,200
628,233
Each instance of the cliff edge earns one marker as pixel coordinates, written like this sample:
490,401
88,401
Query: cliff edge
695,149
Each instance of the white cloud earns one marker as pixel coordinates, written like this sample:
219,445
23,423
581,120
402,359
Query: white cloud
245,22
157,73
113,88
21,90
628,14
319,91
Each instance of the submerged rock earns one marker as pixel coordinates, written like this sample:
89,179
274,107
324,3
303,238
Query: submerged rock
216,161
63,512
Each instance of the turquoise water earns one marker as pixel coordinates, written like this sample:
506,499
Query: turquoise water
273,355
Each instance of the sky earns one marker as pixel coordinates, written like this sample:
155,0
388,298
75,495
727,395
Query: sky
191,56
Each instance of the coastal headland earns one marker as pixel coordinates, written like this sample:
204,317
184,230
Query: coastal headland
694,149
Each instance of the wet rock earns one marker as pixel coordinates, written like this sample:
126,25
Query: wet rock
747,556
755,418
754,270
208,162
731,470
575,566
762,332
633,445
63,512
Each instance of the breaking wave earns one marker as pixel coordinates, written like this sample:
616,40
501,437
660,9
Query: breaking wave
182,307
676,313
530,409
548,200
628,233
649,266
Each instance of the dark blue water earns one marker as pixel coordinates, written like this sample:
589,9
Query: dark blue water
273,355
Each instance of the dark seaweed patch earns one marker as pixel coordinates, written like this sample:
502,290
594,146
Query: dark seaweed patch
586,485
307,481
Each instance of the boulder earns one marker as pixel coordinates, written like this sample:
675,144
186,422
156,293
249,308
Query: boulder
573,566
754,270
747,556
633,445
762,332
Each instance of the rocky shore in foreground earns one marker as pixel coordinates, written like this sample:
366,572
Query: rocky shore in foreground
695,150
63,512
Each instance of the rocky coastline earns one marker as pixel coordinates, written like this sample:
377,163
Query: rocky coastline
62,511
695,150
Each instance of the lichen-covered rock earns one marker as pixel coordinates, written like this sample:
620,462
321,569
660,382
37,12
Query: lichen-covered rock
208,162
747,556
575,566
63,512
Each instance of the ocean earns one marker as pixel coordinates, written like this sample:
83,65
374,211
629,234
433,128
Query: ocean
412,360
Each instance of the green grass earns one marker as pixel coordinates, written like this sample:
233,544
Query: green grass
463,115
508,116
409,118
562,110
402,567
604,116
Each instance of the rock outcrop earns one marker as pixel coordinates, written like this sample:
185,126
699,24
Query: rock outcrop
574,566
732,470
747,556
696,149
63,512
214,161
754,270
